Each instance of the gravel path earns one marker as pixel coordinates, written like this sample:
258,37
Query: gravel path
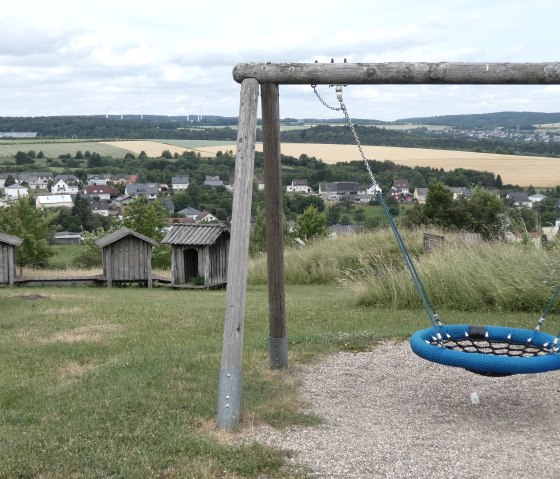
391,414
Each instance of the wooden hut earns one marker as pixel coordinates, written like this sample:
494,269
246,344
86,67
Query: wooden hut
199,254
127,257
8,246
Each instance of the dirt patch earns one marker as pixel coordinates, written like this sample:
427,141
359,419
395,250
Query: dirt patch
31,297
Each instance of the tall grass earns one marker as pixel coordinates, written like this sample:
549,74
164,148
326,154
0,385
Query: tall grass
459,275
467,277
326,260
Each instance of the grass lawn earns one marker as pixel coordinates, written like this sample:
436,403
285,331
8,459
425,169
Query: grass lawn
122,382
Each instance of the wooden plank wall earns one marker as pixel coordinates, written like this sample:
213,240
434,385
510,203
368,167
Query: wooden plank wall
129,260
5,255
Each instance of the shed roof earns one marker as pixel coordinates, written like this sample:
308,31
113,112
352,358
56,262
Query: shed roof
6,238
196,235
120,234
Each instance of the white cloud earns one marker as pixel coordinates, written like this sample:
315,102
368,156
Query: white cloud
57,58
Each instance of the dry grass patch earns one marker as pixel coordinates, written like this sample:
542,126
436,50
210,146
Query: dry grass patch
74,369
91,333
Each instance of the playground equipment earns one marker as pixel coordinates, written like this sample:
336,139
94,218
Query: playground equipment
268,76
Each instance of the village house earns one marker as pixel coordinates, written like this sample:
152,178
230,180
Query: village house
189,212
15,191
536,199
103,208
35,180
180,183
149,190
206,217
99,178
401,185
213,181
420,195
54,201
400,190
334,191
102,192
66,237
65,184
459,192
299,186
519,199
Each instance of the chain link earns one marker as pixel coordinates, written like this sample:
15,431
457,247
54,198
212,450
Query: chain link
342,108
323,101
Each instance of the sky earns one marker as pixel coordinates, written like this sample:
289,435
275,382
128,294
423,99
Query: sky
167,57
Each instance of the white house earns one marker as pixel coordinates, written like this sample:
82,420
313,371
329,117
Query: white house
54,201
299,186
206,217
373,190
15,191
536,199
180,183
62,187
420,195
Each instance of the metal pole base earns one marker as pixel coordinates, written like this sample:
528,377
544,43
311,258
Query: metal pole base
229,398
278,348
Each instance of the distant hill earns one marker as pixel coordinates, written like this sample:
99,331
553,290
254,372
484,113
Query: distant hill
505,119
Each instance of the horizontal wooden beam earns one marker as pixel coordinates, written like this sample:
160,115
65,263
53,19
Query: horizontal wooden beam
400,73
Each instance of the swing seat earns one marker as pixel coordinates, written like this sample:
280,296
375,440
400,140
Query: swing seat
489,350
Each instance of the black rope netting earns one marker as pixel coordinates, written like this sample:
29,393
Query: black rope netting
498,348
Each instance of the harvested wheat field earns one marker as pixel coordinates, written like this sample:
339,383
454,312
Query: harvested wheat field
517,170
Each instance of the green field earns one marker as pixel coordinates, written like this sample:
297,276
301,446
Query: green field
54,148
122,382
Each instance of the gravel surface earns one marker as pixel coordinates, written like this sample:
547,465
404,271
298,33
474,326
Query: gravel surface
391,414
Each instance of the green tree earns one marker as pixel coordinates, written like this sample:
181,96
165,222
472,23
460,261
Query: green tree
34,226
257,239
23,159
438,202
146,217
311,224
347,203
149,219
90,255
359,215
333,214
9,181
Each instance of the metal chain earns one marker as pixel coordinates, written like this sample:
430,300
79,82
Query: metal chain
355,133
323,101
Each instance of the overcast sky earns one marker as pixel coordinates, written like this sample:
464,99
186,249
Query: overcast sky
67,57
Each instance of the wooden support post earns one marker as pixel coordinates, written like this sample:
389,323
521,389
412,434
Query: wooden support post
229,386
400,73
278,341
150,272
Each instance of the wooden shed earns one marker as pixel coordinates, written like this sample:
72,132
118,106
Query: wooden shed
127,257
8,255
199,254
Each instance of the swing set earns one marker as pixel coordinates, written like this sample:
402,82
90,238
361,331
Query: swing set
485,350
